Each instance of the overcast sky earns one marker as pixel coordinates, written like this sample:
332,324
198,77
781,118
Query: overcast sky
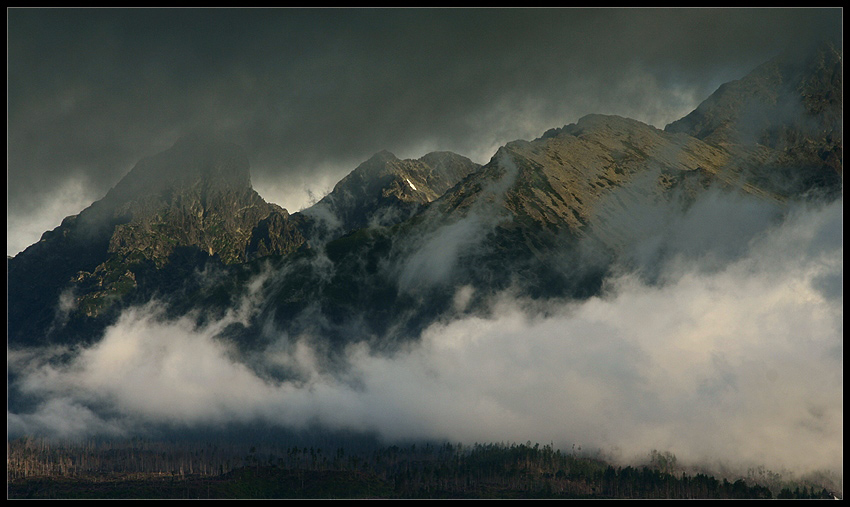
312,93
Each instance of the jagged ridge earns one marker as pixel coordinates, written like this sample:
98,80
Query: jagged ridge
515,220
384,191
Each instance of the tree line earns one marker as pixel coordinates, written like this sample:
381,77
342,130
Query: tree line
40,468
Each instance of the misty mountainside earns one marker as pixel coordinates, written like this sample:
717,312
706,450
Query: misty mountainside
171,213
383,191
400,244
784,118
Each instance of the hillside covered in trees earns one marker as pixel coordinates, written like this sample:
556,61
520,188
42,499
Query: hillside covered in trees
145,469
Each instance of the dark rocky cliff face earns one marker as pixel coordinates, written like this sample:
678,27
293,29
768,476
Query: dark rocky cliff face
196,196
383,191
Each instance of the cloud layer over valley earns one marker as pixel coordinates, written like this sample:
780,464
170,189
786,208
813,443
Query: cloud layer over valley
737,360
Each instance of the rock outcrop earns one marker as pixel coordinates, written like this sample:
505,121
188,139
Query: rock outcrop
784,121
193,197
383,191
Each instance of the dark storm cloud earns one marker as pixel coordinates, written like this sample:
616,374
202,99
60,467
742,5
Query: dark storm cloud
311,93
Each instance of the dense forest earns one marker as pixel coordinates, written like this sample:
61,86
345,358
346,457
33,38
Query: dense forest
149,469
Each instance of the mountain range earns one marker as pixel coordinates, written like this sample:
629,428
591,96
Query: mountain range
399,244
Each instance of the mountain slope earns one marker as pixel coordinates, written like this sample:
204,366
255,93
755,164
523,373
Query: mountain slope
541,219
544,201
190,203
560,177
383,191
401,239
786,115
197,194
549,217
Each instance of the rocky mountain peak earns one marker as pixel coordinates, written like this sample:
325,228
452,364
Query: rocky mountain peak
381,156
384,190
193,161
197,193
785,115
574,178
800,88
193,201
